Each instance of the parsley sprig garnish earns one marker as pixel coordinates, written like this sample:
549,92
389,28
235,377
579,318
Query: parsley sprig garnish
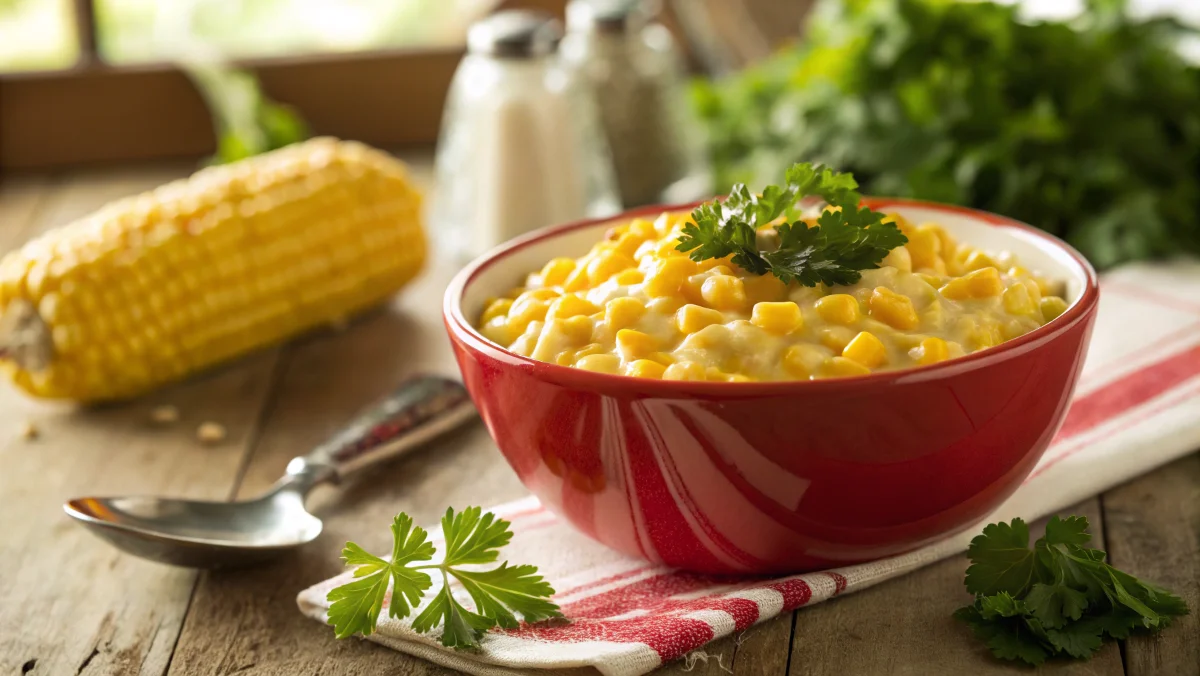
843,241
472,537
1059,598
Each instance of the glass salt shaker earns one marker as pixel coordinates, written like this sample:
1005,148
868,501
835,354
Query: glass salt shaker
637,75
521,145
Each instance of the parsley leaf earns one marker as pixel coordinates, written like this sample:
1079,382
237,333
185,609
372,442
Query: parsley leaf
356,606
1060,598
843,241
1001,560
472,537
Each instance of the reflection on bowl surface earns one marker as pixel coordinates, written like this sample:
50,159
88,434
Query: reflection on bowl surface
779,476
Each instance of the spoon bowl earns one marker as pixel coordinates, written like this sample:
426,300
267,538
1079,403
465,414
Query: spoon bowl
200,534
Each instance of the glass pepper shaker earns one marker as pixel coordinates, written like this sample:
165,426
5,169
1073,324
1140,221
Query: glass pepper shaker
637,75
521,146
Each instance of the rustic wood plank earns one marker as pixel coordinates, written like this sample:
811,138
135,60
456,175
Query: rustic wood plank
1153,529
905,627
110,613
247,621
20,199
763,650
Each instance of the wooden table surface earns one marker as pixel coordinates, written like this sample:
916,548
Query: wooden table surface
70,604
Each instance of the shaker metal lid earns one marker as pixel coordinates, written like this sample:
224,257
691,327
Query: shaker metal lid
608,16
515,33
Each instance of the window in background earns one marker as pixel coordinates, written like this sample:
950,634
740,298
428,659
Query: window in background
37,35
130,31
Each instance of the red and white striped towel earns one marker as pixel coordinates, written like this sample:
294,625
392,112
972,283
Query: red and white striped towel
1137,406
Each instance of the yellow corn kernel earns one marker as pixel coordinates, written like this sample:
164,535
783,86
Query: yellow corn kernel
899,258
600,363
644,368
606,265
924,247
663,358
665,305
622,312
1018,271
691,318
764,288
556,271
1052,307
570,305
716,263
634,344
895,310
839,308
643,228
840,367
690,289
497,308
684,370
932,280
724,292
537,294
577,329
590,349
931,351
738,378
666,248
835,338
867,350
982,283
977,260
985,282
629,277
627,244
525,311
498,331
1017,300
668,275
982,333
578,279
800,361
1016,327
781,318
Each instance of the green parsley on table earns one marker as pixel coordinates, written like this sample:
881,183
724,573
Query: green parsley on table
1088,128
843,241
1059,598
472,537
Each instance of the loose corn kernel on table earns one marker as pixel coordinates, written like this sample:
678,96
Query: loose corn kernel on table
70,604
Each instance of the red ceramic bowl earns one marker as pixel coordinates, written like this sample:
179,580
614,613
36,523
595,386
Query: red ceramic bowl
781,476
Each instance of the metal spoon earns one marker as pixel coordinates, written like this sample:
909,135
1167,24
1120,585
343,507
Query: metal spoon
219,534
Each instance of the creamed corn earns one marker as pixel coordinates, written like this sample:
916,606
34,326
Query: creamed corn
636,306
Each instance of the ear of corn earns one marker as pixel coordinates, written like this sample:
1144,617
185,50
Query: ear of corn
155,287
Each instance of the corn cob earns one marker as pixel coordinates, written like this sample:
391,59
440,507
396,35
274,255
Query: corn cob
153,288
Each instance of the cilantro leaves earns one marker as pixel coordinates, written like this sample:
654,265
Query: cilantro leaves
834,250
472,537
1059,598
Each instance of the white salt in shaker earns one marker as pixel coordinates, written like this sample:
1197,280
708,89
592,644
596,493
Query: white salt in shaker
521,145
